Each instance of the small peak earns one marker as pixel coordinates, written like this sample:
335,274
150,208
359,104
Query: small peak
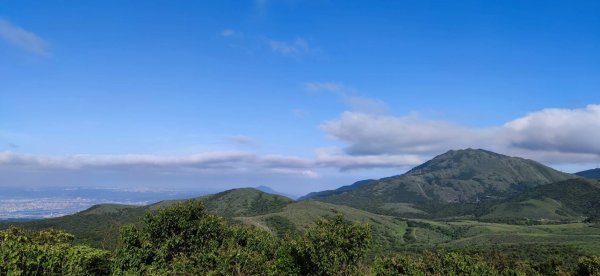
468,151
454,158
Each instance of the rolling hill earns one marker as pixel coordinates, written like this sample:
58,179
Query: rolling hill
461,176
99,225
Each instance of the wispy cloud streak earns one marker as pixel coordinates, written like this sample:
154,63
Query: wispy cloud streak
23,39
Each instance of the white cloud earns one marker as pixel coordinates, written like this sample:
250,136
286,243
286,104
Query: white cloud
324,86
553,136
222,161
23,39
229,33
242,140
202,160
295,48
366,105
282,161
343,161
379,134
561,130
219,159
348,97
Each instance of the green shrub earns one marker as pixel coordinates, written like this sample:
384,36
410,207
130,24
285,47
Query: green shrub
186,239
398,265
433,263
589,266
333,246
48,252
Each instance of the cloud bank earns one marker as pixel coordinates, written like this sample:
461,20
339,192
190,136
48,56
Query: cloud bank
551,135
575,131
366,141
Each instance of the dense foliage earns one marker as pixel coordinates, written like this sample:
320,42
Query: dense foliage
185,239
48,252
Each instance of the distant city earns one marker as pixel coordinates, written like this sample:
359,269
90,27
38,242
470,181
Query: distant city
19,204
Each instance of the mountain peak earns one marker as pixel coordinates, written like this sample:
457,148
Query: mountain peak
470,152
466,175
459,158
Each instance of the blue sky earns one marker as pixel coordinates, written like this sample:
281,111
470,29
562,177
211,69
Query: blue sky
297,95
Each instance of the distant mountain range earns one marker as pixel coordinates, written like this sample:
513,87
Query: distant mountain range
473,184
592,174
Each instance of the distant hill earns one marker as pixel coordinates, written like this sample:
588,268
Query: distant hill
322,194
592,174
457,176
99,224
244,202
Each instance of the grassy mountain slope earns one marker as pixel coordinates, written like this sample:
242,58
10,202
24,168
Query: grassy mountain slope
572,199
462,176
388,231
532,209
592,174
579,195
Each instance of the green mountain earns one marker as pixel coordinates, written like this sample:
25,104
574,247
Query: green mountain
592,174
455,177
99,225
244,202
323,194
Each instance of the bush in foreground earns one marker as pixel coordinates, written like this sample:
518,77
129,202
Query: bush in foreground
186,239
48,252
